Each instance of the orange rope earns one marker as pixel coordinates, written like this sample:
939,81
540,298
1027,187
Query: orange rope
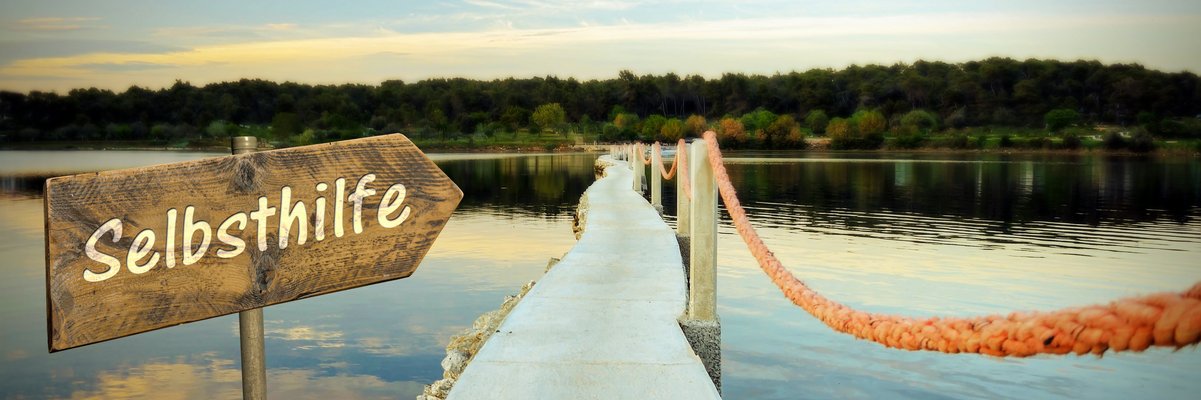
641,156
1129,324
663,170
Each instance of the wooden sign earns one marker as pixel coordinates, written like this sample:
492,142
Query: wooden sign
134,250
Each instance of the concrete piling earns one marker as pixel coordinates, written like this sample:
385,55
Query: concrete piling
656,180
701,325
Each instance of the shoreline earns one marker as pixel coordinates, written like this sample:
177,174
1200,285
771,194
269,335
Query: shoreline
532,148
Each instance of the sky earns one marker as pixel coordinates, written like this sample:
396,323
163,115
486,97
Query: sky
114,44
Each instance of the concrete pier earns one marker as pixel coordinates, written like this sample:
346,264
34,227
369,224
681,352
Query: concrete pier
603,323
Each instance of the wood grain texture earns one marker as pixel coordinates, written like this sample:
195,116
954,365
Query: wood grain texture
82,312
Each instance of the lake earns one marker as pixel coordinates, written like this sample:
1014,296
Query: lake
920,235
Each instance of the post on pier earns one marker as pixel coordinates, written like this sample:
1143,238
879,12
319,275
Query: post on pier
656,178
639,168
683,204
701,325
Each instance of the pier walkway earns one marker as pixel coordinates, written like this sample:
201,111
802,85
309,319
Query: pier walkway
614,320
602,323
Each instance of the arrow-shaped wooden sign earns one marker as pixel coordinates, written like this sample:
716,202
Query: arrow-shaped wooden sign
135,250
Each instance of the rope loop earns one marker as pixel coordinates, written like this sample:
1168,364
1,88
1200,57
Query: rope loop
1128,324
667,175
641,154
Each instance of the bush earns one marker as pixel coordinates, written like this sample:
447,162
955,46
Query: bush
843,136
672,130
756,121
782,132
651,127
981,141
549,116
909,140
957,119
1072,142
730,133
868,123
919,121
610,133
816,121
304,138
1006,142
1114,141
1060,118
1180,128
695,125
1141,142
1040,142
958,141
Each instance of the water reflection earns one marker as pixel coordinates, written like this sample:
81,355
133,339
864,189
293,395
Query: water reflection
1019,188
208,376
383,340
546,185
928,235
915,235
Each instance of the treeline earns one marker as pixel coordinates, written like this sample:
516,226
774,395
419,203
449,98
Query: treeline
772,111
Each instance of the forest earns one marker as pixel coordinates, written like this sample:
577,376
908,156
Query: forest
1002,101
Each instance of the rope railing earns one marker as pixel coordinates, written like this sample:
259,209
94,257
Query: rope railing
665,173
641,155
679,165
1129,324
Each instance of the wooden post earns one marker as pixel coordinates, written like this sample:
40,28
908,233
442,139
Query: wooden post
656,179
702,296
683,204
250,322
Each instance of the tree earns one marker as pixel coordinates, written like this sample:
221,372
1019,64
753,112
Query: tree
779,131
838,127
839,131
695,125
513,118
284,125
672,130
755,121
730,132
438,121
1141,141
996,91
651,126
816,121
918,122
869,122
549,117
217,129
627,124
1060,118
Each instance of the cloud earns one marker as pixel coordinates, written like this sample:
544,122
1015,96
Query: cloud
757,45
133,66
208,377
545,6
280,27
268,31
762,30
11,50
56,23
491,4
388,347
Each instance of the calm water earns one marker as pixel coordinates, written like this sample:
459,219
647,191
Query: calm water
922,235
380,341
